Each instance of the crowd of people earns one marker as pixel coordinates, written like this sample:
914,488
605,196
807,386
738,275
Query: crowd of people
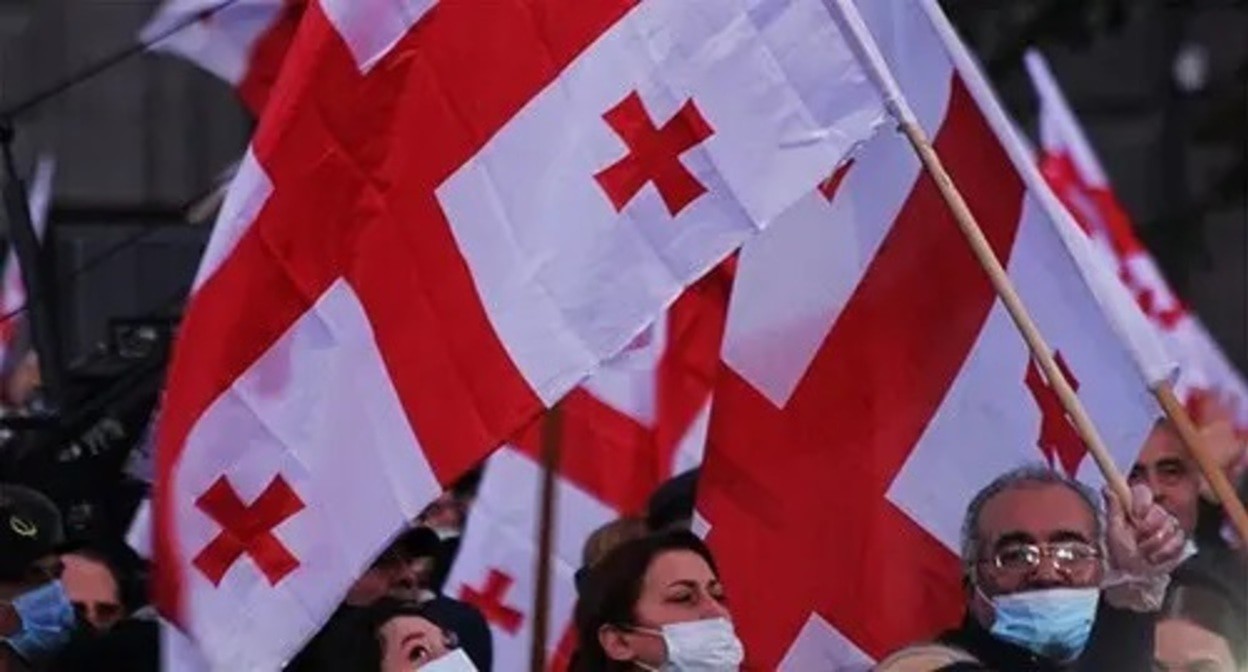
1056,577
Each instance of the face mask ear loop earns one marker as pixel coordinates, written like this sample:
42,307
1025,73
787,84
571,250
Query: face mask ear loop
642,630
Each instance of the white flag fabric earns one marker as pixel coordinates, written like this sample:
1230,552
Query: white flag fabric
639,420
867,350
244,42
1072,168
451,214
13,290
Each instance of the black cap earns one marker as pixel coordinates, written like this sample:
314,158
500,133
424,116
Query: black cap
30,528
418,542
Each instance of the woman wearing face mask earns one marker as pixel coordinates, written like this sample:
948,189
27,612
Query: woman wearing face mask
1199,630
655,603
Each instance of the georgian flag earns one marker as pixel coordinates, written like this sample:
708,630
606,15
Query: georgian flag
451,214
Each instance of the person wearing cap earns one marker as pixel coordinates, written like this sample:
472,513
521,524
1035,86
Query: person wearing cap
36,617
420,547
401,573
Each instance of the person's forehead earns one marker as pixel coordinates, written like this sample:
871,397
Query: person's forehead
677,565
85,566
1181,641
405,625
1162,443
1037,510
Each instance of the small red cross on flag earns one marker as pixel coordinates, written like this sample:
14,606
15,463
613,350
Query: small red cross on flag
491,599
1070,165
1059,440
248,530
654,154
416,258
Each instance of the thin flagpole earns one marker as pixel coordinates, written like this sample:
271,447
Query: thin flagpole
552,440
869,56
1077,143
1212,471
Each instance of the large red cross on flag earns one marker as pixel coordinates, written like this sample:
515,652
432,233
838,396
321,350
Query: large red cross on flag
416,258
637,421
1071,166
873,381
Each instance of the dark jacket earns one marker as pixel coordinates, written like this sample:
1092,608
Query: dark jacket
1121,641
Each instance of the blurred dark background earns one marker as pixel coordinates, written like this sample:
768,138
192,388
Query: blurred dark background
1162,90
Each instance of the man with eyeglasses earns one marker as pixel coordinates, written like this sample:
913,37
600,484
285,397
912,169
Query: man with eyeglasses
1053,585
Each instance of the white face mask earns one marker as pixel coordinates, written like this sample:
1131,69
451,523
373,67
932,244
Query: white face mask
455,661
709,645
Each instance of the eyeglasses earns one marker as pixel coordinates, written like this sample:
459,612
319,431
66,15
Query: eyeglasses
1066,555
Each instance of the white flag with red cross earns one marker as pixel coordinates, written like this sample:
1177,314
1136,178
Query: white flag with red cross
1069,162
243,42
873,381
638,421
452,212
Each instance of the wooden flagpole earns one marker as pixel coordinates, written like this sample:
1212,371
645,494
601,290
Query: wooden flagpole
1004,287
1212,471
552,444
869,56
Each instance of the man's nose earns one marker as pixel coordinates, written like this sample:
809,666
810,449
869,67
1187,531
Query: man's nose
1047,574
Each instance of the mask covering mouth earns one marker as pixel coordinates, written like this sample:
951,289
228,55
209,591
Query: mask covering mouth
47,622
455,661
709,645
1054,623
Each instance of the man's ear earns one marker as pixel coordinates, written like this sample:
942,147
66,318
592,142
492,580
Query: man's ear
616,643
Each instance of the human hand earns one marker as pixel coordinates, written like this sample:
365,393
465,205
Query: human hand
1145,543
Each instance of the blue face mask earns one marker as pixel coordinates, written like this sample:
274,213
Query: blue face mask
1054,623
47,622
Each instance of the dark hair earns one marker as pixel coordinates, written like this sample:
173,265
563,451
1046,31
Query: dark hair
376,616
612,587
1201,605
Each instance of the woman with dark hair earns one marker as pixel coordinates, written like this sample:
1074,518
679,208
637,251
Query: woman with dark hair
1198,630
404,636
655,603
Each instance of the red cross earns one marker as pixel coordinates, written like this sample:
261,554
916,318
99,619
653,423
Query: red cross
248,529
1147,299
491,600
654,154
349,205
834,449
1098,212
1059,440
